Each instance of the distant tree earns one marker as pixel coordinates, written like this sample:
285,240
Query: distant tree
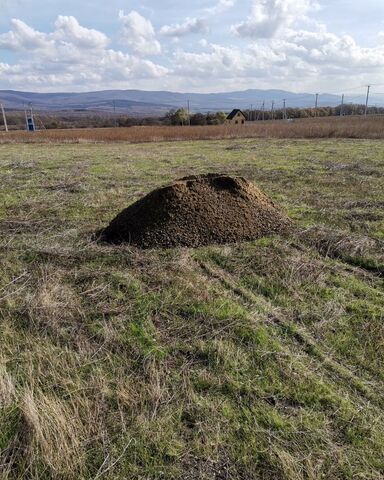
221,117
167,119
198,119
180,117
150,121
125,122
177,117
215,118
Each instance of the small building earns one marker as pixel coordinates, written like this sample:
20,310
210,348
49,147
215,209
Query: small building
236,117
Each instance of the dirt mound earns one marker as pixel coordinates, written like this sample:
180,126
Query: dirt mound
198,210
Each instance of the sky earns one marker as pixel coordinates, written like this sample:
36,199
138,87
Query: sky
329,46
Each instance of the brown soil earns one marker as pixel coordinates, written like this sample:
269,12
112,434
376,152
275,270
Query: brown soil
196,211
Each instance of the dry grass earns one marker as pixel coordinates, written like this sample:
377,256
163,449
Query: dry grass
53,431
261,360
329,127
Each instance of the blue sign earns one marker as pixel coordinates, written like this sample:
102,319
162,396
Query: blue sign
30,124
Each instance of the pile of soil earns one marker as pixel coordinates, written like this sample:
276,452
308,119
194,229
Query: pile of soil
198,210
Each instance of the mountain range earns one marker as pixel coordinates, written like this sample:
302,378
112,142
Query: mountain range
140,102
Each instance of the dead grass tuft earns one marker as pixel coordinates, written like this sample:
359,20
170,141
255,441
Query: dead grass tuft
54,302
358,250
54,432
335,243
7,387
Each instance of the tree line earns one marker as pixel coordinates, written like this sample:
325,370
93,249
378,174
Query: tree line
340,110
182,117
59,120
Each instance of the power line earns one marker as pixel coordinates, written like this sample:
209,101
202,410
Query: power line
349,89
356,97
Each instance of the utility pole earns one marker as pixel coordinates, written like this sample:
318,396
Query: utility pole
250,113
114,113
263,110
4,117
273,110
342,106
316,103
367,100
284,109
25,115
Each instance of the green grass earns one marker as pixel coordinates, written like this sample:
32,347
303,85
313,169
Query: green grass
255,361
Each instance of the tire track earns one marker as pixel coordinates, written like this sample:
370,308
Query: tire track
366,388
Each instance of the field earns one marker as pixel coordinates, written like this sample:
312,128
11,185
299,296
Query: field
261,360
370,127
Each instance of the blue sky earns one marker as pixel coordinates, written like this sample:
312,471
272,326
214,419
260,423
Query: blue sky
201,46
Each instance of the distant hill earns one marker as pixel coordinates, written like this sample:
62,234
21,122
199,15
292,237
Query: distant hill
139,102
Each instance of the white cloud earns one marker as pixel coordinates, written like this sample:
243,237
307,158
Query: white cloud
69,29
190,25
282,53
71,55
301,55
22,37
4,67
196,25
68,32
267,17
227,62
138,34
220,7
337,53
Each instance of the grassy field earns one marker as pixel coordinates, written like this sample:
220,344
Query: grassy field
255,361
371,127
